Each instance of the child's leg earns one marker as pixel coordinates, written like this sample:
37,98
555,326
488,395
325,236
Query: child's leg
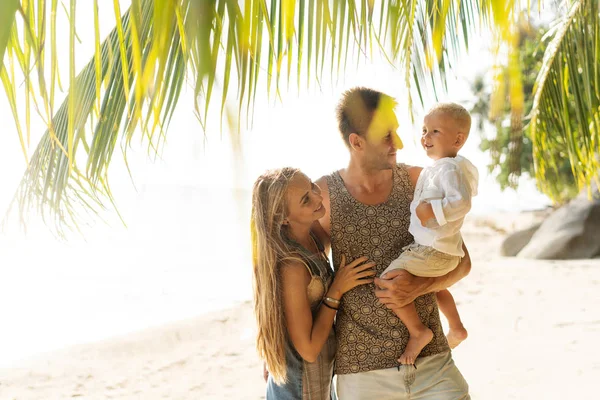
420,335
457,332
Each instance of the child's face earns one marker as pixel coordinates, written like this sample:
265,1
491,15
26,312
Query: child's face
441,136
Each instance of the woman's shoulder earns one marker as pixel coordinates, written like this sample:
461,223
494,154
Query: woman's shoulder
294,266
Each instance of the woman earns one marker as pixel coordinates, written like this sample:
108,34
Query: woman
295,294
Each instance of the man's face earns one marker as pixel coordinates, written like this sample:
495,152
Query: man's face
382,140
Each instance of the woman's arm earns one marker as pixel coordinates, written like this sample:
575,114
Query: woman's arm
308,336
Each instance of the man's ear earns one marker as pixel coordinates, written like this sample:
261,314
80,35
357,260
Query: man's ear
356,141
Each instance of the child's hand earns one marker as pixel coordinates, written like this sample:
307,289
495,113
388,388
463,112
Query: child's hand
424,212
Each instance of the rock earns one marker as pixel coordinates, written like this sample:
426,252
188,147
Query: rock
570,232
512,245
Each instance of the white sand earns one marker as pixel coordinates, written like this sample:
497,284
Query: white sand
534,328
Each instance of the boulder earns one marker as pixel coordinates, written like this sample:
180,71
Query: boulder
512,245
570,232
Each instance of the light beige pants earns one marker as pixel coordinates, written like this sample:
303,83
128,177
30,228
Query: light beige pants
424,261
435,378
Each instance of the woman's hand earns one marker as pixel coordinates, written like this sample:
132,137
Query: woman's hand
347,277
265,372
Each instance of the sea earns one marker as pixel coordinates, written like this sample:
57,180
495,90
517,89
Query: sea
184,251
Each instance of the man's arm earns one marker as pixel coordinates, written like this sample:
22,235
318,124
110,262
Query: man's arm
400,287
413,173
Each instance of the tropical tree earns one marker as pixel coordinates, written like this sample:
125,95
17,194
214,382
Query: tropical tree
565,116
133,82
511,146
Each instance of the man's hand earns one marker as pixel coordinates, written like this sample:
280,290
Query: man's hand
424,212
398,288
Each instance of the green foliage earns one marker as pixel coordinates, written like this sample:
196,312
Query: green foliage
223,49
565,116
511,149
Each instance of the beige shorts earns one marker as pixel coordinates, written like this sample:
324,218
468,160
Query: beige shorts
424,261
435,378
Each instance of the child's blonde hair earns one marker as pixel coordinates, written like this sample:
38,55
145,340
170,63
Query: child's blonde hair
456,112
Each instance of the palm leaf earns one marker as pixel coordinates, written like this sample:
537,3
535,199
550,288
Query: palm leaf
8,9
564,116
133,81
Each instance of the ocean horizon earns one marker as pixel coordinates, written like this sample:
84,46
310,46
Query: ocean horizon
185,252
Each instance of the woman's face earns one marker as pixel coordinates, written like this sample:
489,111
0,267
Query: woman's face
304,201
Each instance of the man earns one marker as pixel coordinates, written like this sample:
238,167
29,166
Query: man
368,214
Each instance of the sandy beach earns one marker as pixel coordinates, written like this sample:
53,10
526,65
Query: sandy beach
533,328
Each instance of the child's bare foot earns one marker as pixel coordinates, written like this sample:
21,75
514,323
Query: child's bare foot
456,335
415,345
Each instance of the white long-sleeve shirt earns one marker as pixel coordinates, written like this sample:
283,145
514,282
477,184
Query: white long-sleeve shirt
448,186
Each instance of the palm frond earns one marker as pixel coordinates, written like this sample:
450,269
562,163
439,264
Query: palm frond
133,81
7,17
564,116
54,184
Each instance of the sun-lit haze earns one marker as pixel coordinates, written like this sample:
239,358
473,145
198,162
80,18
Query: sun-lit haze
186,248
